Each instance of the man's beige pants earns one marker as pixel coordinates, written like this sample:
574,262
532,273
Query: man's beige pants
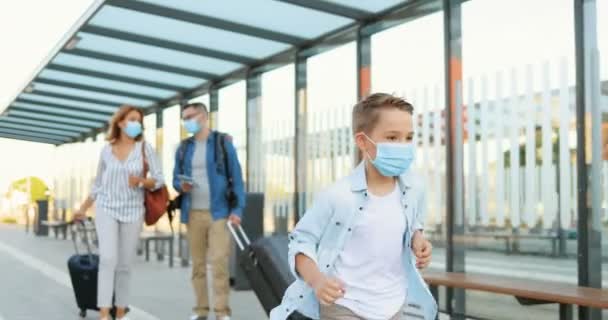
209,238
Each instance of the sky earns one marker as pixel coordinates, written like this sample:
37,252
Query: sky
41,25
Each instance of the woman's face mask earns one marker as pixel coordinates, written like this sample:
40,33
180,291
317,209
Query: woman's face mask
133,129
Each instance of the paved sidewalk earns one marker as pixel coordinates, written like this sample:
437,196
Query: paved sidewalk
34,284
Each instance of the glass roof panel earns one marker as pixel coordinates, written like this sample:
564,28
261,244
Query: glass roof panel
374,6
103,83
5,125
57,111
69,103
186,32
93,95
33,115
271,15
7,119
155,54
126,70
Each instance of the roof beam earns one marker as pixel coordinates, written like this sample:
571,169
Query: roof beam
167,44
114,77
55,119
45,125
332,8
144,64
50,94
58,113
64,107
207,21
23,138
55,132
409,11
97,89
35,134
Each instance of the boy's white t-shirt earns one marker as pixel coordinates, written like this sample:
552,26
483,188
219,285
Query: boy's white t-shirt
371,264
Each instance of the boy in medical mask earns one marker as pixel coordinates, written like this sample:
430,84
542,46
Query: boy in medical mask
350,251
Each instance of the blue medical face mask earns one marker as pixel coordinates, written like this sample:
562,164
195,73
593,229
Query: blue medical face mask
133,129
192,126
392,158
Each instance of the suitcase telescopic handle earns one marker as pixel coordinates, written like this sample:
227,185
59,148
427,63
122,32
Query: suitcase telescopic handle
238,240
82,224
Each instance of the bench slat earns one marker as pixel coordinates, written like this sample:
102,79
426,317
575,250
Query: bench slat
532,289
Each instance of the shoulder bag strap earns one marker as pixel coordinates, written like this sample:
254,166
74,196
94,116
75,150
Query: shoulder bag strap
143,157
225,155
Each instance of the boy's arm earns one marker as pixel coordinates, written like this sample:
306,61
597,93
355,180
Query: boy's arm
305,238
308,270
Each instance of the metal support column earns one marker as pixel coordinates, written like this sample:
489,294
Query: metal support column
214,102
364,75
301,114
588,109
254,137
454,141
364,62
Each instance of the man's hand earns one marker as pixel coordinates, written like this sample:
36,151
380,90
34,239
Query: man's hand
328,290
422,249
234,219
186,187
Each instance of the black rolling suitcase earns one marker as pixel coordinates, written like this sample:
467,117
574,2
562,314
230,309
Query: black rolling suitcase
83,268
265,264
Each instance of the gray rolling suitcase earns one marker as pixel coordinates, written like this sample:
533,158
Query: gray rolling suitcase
265,264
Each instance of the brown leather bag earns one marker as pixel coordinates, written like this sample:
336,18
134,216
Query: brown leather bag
156,202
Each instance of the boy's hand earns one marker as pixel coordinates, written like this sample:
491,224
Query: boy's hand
422,250
328,290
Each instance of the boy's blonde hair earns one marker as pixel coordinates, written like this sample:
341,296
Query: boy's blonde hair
366,112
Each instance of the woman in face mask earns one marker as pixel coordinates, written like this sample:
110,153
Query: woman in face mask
118,194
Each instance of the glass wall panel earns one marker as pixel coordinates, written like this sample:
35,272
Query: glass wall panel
599,136
519,147
202,99
150,129
332,83
232,118
277,150
171,138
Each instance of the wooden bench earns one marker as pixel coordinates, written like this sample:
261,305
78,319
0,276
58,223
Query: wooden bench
58,225
526,291
158,237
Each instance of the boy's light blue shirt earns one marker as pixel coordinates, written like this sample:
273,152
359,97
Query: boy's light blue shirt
323,231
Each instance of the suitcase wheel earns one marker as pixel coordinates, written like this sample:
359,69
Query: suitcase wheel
83,313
